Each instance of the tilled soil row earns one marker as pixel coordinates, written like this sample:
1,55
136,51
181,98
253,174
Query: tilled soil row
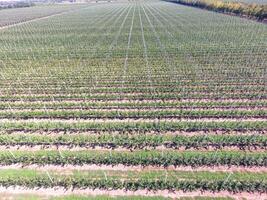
132,120
47,107
108,147
161,75
143,100
123,93
60,191
131,109
156,85
147,118
45,93
69,169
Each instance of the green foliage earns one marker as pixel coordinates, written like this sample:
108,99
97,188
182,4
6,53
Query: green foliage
88,114
136,126
135,74
139,157
133,181
257,11
134,141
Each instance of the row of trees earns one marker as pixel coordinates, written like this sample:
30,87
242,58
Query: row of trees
251,10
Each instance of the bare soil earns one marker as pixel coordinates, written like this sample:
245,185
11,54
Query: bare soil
70,168
59,191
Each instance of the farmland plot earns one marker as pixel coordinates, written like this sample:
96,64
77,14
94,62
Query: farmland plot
131,99
8,18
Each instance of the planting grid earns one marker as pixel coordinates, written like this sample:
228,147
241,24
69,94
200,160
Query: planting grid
133,97
7,16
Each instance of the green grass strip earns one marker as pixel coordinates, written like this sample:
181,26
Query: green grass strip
88,114
83,105
167,96
137,126
139,157
137,140
156,180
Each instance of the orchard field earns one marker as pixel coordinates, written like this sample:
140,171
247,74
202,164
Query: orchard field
130,99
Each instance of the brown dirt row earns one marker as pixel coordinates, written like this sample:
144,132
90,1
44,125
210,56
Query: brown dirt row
123,94
73,147
45,93
51,85
70,119
59,191
68,169
130,109
106,120
207,100
59,147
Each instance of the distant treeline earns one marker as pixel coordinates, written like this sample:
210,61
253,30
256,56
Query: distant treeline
15,4
255,11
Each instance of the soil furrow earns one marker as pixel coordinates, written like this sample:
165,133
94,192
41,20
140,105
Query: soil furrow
60,191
